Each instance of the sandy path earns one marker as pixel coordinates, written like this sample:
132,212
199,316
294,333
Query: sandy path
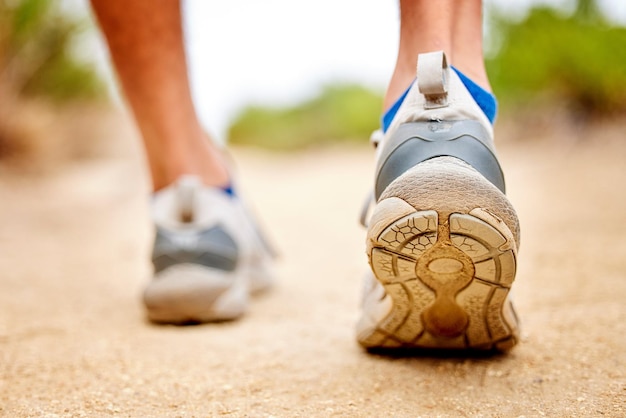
74,342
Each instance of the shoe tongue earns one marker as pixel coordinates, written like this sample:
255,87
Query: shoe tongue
187,188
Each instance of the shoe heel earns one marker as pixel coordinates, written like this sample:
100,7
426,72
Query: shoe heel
446,277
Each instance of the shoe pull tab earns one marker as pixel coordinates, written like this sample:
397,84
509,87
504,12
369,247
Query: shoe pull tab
186,191
432,79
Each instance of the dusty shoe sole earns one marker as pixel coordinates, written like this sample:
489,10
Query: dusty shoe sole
189,293
442,245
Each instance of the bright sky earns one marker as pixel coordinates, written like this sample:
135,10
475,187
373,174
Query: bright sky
279,51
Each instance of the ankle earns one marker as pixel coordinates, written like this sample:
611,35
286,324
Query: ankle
401,80
199,158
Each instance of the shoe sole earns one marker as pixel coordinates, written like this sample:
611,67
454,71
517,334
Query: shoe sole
190,293
445,260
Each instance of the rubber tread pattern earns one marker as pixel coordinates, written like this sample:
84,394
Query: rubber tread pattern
450,290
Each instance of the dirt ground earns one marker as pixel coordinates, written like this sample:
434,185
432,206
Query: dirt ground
74,342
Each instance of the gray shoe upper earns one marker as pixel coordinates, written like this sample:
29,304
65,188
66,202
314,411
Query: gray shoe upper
212,247
416,142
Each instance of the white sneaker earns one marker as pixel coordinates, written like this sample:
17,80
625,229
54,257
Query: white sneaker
208,256
442,240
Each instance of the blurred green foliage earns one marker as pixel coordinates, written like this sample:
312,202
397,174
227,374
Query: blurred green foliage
36,56
340,112
577,62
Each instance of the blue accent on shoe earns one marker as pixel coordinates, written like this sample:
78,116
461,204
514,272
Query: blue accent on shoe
485,100
391,112
228,189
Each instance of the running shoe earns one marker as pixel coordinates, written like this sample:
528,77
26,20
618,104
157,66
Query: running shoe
208,255
442,239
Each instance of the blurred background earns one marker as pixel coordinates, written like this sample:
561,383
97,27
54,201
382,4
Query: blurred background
293,76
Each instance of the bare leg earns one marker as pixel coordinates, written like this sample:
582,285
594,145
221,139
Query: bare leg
454,26
146,43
